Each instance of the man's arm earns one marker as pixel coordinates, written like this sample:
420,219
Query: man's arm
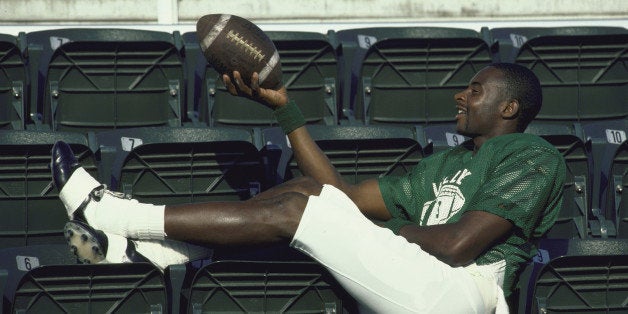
310,158
459,243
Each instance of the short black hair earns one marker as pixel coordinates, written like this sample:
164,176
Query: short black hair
524,86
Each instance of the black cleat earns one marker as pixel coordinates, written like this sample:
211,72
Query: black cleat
90,245
63,164
87,244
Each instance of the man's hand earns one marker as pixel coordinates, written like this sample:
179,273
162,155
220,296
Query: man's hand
267,97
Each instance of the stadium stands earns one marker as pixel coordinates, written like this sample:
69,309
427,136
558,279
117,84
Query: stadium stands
145,113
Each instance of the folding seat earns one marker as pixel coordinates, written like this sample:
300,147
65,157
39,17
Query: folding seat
438,137
616,201
106,288
576,276
29,205
16,262
278,287
13,84
309,65
511,39
357,152
581,69
99,79
409,76
183,165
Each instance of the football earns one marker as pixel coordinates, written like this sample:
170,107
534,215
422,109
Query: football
232,43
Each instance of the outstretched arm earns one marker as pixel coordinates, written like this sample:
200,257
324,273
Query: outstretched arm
310,158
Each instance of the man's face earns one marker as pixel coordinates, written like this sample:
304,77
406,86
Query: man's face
478,104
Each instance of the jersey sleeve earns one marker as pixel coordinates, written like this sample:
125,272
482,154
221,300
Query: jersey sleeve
525,188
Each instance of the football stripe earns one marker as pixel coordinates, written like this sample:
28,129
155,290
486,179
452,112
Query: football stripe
263,74
215,31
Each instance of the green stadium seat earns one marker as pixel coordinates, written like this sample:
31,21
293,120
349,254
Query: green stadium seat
266,287
410,75
105,288
581,70
357,152
617,187
309,66
183,165
511,39
29,205
439,137
575,276
16,262
13,84
100,79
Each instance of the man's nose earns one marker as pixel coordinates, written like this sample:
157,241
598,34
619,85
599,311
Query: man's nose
459,96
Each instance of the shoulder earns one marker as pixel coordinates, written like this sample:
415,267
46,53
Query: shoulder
518,143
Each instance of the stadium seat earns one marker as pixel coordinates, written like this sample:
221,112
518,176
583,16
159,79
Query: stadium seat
105,288
16,262
617,201
581,69
100,79
511,39
265,287
575,276
357,152
29,205
13,84
410,75
309,66
182,165
438,137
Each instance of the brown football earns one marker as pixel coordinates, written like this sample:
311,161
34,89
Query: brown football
232,43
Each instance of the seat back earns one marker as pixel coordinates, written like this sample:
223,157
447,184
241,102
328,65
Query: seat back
412,81
183,165
240,286
617,201
132,78
583,77
106,288
357,152
576,276
13,84
29,205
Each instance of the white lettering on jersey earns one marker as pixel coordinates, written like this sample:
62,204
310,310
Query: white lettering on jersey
448,202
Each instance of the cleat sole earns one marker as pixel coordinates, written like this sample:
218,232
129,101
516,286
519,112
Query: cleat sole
83,244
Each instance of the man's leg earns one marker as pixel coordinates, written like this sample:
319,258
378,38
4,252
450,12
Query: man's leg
269,217
384,272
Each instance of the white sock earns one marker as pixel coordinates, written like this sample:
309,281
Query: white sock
161,253
121,216
170,252
116,249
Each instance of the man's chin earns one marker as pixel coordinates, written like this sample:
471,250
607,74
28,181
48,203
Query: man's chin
464,132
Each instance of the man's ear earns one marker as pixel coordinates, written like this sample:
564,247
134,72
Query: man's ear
510,109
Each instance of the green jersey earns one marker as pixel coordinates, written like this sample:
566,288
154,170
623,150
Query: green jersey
518,177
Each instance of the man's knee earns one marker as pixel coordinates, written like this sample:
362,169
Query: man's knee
291,205
306,185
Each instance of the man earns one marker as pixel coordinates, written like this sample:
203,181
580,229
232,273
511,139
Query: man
459,225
